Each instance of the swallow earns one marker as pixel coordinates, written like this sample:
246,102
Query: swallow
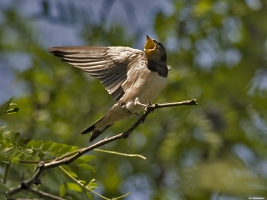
129,76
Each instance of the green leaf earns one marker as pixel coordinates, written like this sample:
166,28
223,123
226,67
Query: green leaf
68,170
3,188
3,191
15,160
21,142
3,158
62,190
92,184
38,144
64,149
72,174
86,167
28,151
5,107
82,181
9,150
55,148
30,143
13,154
65,167
13,136
89,195
74,187
7,134
47,145
13,110
87,158
84,159
2,128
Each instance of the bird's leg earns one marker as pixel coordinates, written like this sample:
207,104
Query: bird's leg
137,102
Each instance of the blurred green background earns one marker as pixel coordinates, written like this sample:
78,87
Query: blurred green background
217,51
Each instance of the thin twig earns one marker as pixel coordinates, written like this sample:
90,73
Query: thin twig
81,184
44,194
68,158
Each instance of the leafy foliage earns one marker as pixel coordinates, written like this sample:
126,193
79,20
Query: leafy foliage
15,150
12,146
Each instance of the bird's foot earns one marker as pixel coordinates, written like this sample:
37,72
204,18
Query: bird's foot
146,106
137,102
149,105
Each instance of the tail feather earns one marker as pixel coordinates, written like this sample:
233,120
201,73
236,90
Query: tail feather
96,133
93,129
89,129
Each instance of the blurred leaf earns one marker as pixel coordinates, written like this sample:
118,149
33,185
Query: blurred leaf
86,167
21,142
30,143
28,151
84,159
74,187
13,110
3,158
92,184
87,158
89,195
7,134
72,173
47,145
15,160
37,144
3,191
13,137
5,106
2,128
62,190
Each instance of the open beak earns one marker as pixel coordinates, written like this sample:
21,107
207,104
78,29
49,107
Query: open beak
150,45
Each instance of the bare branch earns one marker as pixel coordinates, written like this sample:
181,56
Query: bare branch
44,194
68,158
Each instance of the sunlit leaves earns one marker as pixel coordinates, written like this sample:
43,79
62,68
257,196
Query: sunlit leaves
12,146
49,149
62,190
74,187
9,108
92,184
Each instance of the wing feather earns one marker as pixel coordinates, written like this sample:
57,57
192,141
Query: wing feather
109,64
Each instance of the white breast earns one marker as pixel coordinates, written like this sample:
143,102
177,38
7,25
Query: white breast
146,91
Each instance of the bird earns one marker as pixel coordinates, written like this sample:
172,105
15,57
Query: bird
131,76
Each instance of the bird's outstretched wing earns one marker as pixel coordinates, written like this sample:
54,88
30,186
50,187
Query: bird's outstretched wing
109,64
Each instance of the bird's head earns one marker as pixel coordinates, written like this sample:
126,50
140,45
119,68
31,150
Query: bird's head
154,50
